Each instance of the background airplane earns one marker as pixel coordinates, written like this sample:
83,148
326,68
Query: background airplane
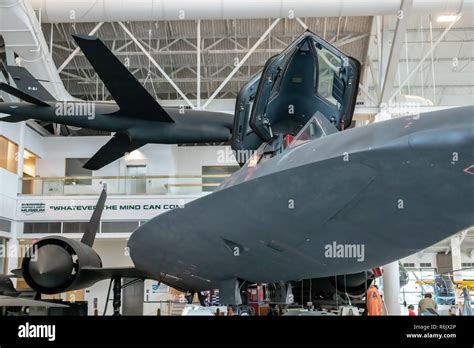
10,297
136,117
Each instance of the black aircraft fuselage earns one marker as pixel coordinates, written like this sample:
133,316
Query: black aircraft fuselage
316,200
189,126
382,192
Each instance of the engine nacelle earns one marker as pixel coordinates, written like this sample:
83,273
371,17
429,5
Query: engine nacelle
354,285
56,264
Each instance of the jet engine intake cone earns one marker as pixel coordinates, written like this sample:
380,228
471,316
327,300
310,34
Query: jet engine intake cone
51,267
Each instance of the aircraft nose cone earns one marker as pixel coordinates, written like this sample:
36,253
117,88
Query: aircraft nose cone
135,242
51,267
144,244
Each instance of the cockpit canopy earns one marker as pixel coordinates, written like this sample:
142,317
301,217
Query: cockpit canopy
316,127
309,76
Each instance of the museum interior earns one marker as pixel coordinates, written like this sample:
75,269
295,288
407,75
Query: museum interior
354,118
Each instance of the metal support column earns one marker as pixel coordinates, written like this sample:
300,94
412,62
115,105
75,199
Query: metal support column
391,288
198,67
20,156
398,38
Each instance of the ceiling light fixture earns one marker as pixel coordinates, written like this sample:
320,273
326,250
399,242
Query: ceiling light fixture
447,18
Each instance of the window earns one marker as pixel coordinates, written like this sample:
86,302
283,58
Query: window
425,264
9,158
29,172
75,227
313,129
5,225
42,227
136,179
248,114
119,226
8,155
467,264
74,168
413,292
211,183
329,67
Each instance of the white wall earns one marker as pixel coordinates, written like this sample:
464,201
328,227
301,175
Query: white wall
221,105
191,159
160,160
60,148
420,258
9,181
467,256
8,190
431,258
33,141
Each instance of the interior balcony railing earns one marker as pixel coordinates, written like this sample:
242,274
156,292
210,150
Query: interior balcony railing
122,185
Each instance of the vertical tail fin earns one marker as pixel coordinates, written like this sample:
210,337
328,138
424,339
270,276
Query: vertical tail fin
89,236
21,95
27,83
129,94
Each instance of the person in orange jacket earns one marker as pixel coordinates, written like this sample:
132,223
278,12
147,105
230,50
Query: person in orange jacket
374,301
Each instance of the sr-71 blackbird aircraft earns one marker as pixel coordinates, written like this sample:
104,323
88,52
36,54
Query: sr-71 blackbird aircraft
135,117
315,202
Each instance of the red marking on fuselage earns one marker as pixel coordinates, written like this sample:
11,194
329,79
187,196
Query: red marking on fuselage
469,170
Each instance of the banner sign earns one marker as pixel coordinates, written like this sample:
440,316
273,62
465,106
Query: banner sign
81,208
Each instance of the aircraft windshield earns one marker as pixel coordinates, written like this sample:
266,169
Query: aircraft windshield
313,129
329,66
